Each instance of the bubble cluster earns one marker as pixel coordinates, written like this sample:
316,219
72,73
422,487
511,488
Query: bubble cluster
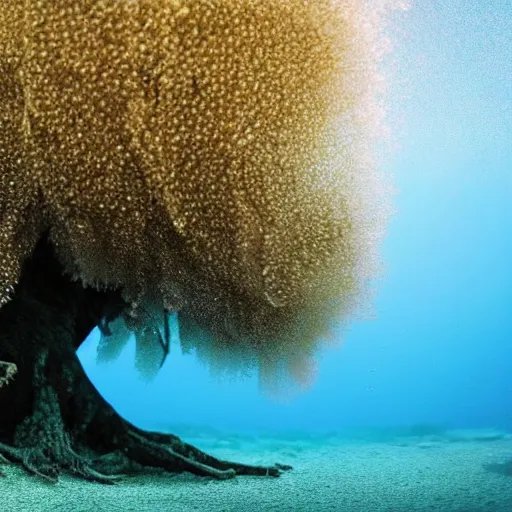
210,157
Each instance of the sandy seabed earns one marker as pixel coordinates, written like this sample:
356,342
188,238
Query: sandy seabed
466,472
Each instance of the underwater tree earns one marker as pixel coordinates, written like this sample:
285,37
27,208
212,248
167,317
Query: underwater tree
209,158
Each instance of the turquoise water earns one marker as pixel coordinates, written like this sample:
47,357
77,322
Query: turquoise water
438,354
439,349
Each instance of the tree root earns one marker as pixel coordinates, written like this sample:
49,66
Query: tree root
53,419
41,443
171,453
44,464
141,452
105,447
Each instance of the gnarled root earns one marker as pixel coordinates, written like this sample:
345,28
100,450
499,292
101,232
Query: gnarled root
52,418
93,442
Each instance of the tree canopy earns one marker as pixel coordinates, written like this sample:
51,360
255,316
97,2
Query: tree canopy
211,157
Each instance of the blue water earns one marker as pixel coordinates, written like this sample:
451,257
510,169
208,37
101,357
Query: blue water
440,349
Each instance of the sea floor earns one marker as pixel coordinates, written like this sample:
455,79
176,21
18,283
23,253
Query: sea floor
351,471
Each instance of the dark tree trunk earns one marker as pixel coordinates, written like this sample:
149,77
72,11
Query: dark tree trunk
52,419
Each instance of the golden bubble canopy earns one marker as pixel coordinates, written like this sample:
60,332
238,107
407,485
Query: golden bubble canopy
207,156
